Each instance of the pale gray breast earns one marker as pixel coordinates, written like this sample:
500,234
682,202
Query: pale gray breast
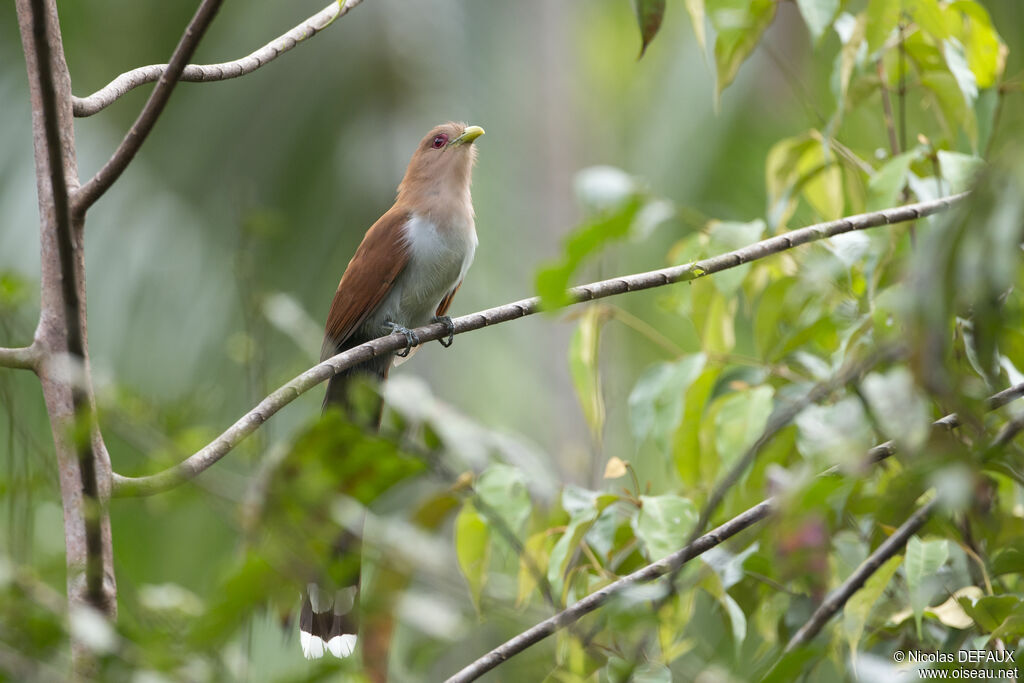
438,260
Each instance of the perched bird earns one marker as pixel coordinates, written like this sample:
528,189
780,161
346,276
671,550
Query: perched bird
412,260
404,275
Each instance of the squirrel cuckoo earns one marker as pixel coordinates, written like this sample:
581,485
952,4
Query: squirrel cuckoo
412,260
404,275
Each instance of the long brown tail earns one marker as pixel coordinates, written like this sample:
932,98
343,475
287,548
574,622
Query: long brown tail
329,620
339,387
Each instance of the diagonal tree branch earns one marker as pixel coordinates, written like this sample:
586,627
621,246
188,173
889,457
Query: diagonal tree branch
201,73
251,421
675,561
26,357
1009,432
87,195
834,602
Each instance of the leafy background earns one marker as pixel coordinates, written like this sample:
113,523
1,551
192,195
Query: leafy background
595,435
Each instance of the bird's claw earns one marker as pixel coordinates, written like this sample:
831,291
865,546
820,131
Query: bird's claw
410,337
449,326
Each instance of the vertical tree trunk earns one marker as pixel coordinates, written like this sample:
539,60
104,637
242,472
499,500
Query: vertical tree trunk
51,335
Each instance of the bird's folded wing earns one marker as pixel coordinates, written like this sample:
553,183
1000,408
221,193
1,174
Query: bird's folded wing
370,275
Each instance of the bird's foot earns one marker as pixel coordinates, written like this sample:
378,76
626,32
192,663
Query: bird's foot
410,337
449,326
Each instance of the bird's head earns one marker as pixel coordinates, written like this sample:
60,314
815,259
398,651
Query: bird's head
442,162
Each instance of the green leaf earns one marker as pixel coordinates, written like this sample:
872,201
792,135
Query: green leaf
313,472
924,53
1009,559
583,507
986,53
956,115
649,14
585,371
781,173
899,408
857,609
727,236
1012,628
883,17
852,32
792,665
990,611
503,488
951,612
803,165
773,315
834,432
818,15
686,443
737,619
922,560
619,669
533,564
887,183
740,420
727,565
959,170
718,333
695,8
740,25
664,523
656,402
956,60
820,179
929,16
472,548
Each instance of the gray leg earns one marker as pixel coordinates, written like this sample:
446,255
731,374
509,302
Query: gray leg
411,339
448,325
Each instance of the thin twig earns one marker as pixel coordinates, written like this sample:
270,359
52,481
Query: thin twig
795,82
894,144
83,418
835,601
25,358
202,73
903,82
996,117
251,421
851,156
1009,432
644,328
977,570
87,195
1003,397
593,601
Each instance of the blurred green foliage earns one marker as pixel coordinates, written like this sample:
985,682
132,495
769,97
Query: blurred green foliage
552,456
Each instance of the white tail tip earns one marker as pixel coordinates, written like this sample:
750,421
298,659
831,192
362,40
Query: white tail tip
314,647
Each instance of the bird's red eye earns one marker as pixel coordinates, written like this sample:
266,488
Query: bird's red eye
440,141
